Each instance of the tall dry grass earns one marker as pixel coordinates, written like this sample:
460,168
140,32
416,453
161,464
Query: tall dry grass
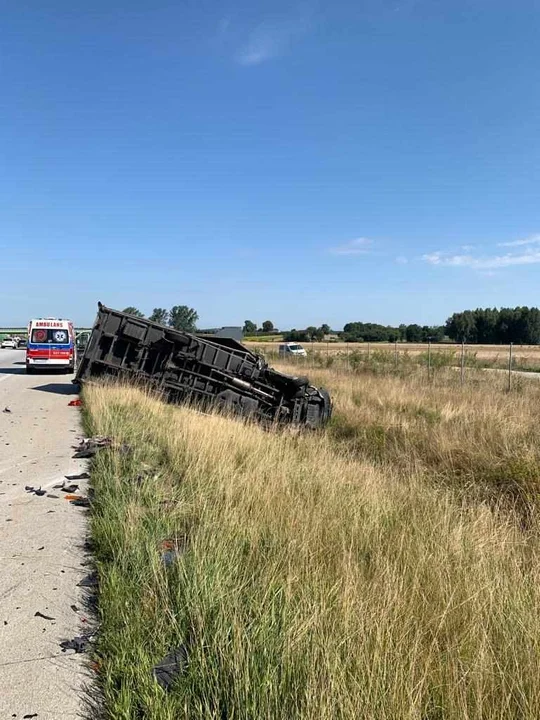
328,575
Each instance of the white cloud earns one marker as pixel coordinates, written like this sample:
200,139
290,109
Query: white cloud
271,38
533,240
358,246
483,262
401,260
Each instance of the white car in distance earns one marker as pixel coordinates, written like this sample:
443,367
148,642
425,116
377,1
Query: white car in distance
291,349
8,343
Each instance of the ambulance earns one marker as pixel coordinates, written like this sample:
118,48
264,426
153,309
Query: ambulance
51,344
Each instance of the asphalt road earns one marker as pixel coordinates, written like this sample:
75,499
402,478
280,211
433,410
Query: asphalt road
41,546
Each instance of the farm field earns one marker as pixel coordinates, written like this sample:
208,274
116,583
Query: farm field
386,567
524,356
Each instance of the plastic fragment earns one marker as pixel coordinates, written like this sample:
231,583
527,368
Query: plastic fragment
70,488
80,644
171,667
81,502
90,580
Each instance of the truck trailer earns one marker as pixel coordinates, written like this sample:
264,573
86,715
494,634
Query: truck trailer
186,368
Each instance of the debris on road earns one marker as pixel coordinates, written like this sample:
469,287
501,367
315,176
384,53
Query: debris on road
7,410
45,617
75,403
80,644
88,447
69,488
80,476
171,667
91,580
78,500
35,491
208,370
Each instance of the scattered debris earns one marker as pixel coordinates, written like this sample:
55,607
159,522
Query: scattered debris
80,501
41,615
169,557
41,548
31,715
90,580
35,491
75,403
54,497
88,447
171,550
80,476
171,667
7,410
72,497
80,643
69,488
74,608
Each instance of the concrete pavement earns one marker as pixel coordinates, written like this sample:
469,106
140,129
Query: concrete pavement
41,546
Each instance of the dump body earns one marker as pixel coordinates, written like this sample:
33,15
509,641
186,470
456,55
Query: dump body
188,368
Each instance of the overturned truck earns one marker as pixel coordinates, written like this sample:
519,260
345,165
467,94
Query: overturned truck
207,371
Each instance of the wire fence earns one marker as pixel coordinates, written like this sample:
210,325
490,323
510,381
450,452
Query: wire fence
460,364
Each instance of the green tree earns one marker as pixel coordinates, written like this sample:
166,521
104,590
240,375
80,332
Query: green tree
325,329
250,328
182,317
133,311
414,333
268,326
462,326
314,334
159,315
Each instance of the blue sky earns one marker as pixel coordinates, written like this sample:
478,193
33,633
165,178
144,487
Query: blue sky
301,162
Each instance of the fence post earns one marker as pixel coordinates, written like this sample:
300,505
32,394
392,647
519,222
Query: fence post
462,362
368,350
395,354
429,360
348,364
327,352
510,368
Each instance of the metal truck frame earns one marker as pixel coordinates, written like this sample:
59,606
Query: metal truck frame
186,368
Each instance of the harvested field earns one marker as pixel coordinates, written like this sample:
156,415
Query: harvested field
524,356
384,568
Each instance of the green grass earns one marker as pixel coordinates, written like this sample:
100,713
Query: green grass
316,580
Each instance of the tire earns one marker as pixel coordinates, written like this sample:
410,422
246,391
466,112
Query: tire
29,370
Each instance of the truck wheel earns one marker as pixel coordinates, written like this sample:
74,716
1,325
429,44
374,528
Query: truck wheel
29,370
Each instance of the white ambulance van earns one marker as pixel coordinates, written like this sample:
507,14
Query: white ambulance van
51,344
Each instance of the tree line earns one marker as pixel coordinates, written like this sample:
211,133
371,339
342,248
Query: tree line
179,317
520,325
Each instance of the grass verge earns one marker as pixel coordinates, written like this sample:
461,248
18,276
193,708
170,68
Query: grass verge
311,579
